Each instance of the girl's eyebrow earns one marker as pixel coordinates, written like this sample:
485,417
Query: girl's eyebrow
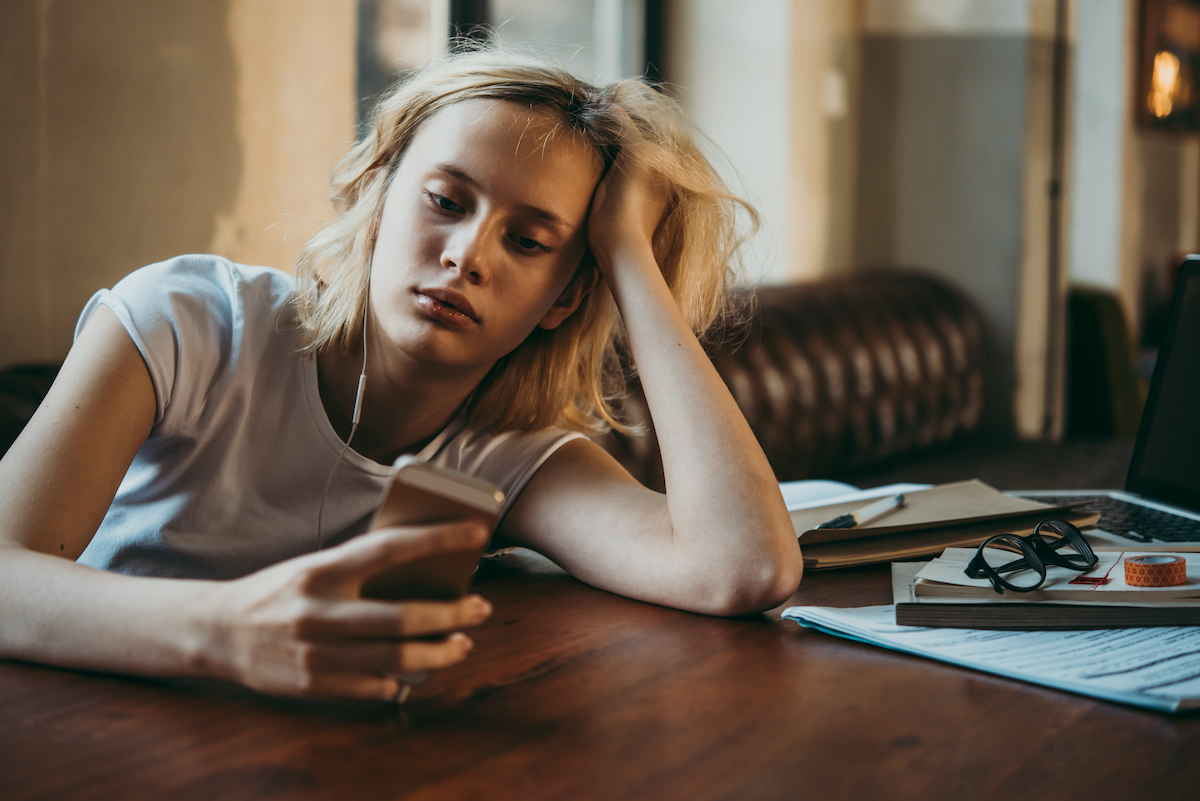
533,211
456,173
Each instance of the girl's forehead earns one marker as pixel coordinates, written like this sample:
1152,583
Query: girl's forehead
504,127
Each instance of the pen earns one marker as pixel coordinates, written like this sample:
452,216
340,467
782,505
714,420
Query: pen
865,514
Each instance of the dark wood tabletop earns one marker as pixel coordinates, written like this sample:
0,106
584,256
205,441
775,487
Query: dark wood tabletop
573,693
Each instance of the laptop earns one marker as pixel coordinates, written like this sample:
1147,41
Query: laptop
1160,506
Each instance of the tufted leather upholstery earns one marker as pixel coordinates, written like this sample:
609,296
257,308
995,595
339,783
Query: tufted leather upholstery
842,374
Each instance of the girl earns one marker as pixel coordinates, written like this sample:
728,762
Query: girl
491,225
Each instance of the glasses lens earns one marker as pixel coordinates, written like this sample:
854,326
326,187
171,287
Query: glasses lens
1004,555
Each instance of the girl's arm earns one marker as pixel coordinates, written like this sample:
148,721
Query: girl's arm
297,628
720,541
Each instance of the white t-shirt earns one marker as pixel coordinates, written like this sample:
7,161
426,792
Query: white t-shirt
231,477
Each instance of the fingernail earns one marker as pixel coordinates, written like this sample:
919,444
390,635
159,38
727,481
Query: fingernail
482,610
464,642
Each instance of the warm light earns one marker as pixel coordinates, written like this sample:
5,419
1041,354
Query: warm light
1164,84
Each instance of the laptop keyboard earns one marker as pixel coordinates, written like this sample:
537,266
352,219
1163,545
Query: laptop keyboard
1139,523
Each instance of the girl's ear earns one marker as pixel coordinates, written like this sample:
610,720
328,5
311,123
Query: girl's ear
569,300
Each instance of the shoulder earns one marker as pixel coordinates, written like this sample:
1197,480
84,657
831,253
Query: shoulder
203,296
203,281
191,317
507,459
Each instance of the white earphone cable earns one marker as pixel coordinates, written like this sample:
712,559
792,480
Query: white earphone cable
354,418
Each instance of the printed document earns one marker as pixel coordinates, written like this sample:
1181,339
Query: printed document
1158,668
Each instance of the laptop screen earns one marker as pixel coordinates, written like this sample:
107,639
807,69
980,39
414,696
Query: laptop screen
1166,460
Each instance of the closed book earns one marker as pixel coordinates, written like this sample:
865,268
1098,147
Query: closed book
929,521
1012,612
869,548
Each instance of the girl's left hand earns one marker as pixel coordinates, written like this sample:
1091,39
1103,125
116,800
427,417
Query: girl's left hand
627,207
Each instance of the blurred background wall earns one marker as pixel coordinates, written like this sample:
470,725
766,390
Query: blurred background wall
136,130
1009,146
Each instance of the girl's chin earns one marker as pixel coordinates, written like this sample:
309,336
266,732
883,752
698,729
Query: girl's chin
430,346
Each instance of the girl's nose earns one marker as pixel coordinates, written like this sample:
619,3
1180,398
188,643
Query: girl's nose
468,253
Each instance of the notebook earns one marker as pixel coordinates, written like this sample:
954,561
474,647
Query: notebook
1161,501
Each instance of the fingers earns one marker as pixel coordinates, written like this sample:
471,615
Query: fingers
363,687
382,619
631,134
350,668
632,197
389,657
359,686
301,628
349,645
371,553
368,671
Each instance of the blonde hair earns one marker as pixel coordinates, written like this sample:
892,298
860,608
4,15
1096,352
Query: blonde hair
568,376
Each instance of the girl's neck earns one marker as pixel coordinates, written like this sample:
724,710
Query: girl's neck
403,408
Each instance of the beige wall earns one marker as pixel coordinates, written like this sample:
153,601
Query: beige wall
135,131
774,86
825,58
295,116
955,144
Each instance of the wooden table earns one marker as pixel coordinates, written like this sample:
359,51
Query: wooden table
573,693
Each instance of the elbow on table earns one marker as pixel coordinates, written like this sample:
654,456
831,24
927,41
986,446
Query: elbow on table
759,587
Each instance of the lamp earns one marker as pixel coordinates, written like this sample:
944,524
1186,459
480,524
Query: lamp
1168,63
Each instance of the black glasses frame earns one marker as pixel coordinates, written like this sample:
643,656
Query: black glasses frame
1036,553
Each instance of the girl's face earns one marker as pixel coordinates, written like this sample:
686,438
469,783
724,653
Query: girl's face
483,227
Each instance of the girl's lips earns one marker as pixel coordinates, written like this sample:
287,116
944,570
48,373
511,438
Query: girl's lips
446,306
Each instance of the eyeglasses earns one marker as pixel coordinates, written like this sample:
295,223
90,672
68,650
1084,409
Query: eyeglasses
1053,542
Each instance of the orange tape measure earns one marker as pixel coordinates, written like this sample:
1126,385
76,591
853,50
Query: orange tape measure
1156,570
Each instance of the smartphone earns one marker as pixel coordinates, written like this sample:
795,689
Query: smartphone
420,493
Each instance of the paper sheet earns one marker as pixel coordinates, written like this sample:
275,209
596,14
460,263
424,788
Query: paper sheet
1157,668
807,494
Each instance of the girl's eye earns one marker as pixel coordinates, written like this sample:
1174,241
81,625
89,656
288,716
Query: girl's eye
444,203
525,243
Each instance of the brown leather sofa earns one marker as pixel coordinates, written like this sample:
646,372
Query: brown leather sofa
840,375
834,376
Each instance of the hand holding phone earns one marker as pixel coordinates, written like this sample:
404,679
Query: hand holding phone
420,493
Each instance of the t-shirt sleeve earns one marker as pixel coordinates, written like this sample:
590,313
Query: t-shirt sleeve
507,460
180,314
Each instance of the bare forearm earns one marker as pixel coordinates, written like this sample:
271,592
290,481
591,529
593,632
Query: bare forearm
299,627
57,612
721,491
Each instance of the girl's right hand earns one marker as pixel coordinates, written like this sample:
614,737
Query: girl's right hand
627,207
302,627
